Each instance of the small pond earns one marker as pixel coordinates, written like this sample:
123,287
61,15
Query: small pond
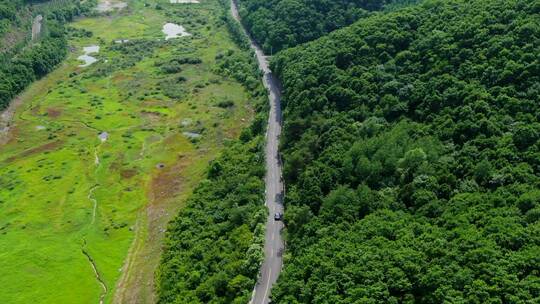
172,30
103,136
88,60
109,5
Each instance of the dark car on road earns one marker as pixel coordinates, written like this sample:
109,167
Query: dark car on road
278,216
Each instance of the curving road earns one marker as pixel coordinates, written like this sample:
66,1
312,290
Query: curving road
273,246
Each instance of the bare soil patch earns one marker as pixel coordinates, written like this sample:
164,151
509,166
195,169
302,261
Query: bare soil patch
128,173
136,284
166,183
151,116
6,117
46,147
53,112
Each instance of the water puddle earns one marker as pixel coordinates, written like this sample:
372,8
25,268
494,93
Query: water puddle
103,136
172,30
184,1
191,134
88,60
109,5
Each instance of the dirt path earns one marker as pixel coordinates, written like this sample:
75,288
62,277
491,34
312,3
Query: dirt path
125,283
127,269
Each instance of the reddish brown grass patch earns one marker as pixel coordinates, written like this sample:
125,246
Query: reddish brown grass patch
46,147
53,113
128,173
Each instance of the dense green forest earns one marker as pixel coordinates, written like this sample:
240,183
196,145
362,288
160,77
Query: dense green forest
25,61
412,157
279,24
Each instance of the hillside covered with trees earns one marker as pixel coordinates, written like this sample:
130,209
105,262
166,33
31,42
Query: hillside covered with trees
22,60
280,24
412,157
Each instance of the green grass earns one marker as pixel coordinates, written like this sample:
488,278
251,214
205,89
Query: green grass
46,214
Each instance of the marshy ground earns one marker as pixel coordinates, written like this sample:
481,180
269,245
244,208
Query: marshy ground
98,158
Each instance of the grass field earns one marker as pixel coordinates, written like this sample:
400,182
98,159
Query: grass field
69,199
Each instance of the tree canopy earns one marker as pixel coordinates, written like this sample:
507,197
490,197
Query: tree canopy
411,149
279,24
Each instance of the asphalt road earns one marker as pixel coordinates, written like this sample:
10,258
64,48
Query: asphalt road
273,246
